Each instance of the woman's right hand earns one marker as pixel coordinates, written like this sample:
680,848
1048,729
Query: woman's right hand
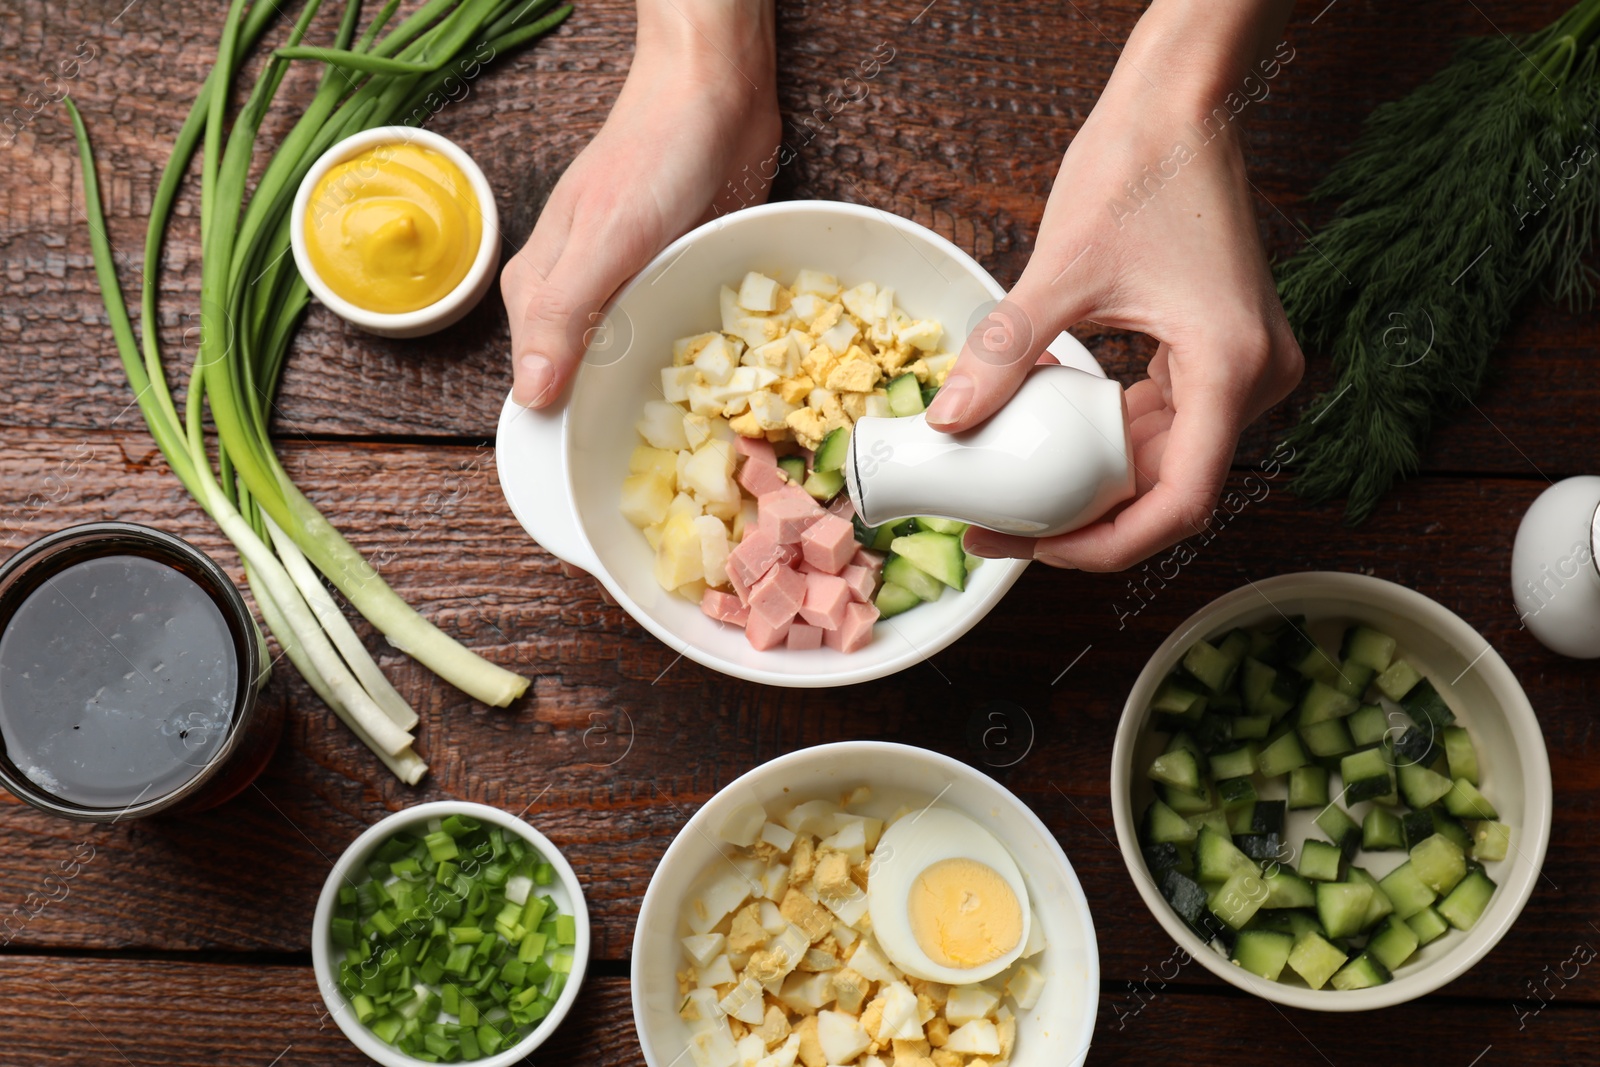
691,135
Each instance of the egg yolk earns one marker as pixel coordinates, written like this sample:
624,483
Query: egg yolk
963,914
394,228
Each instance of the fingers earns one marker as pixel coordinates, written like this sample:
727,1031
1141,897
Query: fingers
998,354
555,312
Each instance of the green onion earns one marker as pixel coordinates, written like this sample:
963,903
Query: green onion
252,299
457,990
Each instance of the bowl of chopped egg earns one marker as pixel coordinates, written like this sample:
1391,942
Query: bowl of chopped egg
695,468
862,904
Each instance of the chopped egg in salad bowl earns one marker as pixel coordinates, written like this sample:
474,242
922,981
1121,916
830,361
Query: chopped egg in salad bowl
690,468
864,904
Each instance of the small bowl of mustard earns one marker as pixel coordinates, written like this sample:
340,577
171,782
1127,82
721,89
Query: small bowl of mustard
396,231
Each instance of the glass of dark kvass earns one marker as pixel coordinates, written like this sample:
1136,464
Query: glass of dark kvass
130,668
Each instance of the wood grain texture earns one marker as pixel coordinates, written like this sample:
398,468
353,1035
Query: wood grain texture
620,741
68,1012
961,131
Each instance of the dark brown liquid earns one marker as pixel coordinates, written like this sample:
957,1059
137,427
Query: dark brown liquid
118,678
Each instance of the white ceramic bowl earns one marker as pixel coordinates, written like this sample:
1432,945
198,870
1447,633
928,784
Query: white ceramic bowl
443,312
562,468
565,891
1486,699
1055,1033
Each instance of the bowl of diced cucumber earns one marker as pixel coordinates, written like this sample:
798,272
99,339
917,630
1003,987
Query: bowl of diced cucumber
450,932
1331,791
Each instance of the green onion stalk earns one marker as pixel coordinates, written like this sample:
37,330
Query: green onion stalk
252,301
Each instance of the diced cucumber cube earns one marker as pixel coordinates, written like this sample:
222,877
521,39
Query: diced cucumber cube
1393,942
1286,889
1178,769
1187,898
938,554
1491,841
1369,648
1406,891
1380,830
1210,666
1240,815
824,485
1428,925
1240,897
1322,702
1465,802
1217,858
1466,902
1366,775
1263,952
908,575
1256,686
1328,738
944,526
830,455
1174,698
1425,705
1281,756
1460,753
905,396
1237,763
1236,794
1417,826
1186,803
893,598
1342,907
1162,825
1363,972
1308,786
1313,662
1314,959
1415,745
1368,724
1320,861
1446,824
1381,906
1420,786
1353,680
794,467
1439,862
1215,820
1251,727
1398,680
1340,828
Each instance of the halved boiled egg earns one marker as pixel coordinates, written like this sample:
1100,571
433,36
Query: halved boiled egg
947,901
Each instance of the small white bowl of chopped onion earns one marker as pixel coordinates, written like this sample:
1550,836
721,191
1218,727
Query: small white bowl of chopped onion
840,899
563,469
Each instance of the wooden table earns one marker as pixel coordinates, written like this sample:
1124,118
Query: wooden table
185,940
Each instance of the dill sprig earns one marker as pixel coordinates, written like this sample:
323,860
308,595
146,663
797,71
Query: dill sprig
1455,203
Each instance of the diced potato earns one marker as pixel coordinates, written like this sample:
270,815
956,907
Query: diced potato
662,425
646,497
679,559
727,510
684,504
693,592
745,520
652,536
976,1038
816,281
840,1036
644,459
707,474
758,292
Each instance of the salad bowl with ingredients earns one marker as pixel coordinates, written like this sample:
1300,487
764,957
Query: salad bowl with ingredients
1331,791
862,903
696,468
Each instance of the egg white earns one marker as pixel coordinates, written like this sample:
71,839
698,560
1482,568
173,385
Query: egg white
910,846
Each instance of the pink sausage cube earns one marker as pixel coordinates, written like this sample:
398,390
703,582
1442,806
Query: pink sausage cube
791,556
756,450
856,631
759,477
827,597
829,543
762,635
863,582
802,637
751,558
787,513
724,607
870,560
777,597
842,507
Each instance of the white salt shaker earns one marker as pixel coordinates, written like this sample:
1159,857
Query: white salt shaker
1553,571
1056,457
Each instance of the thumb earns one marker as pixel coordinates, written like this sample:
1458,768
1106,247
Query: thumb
997,355
561,316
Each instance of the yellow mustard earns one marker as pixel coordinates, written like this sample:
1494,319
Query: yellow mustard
393,229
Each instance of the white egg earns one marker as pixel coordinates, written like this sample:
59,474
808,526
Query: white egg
966,922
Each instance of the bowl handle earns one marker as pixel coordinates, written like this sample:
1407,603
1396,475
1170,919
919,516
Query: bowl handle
530,453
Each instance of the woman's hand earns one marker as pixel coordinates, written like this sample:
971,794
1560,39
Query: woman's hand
1149,227
691,135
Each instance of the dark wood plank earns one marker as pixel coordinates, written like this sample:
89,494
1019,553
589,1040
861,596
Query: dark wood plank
962,131
58,1012
601,682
